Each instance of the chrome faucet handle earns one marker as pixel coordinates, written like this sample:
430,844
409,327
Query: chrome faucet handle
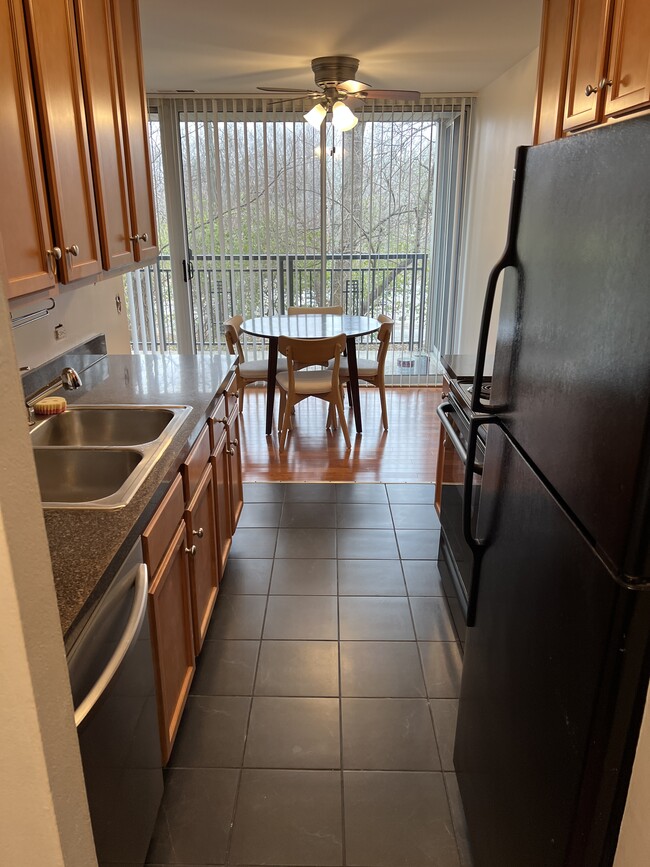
70,379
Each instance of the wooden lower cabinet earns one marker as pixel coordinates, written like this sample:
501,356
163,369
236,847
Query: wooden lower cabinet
233,451
171,636
186,546
219,460
201,524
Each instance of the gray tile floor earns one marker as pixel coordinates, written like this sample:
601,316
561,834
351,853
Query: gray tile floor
319,730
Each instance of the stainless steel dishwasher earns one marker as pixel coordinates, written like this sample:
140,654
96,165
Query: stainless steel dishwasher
112,679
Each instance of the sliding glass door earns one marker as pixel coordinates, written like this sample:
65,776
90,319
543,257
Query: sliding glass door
245,178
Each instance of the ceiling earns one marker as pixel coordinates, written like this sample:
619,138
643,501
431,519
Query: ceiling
435,46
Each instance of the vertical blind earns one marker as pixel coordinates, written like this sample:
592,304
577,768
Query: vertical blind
248,188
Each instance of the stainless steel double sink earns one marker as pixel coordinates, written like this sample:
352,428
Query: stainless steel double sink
96,457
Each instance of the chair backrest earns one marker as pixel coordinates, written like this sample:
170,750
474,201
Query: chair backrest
297,311
384,335
306,352
232,330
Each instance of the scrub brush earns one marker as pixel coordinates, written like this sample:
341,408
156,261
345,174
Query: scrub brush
50,406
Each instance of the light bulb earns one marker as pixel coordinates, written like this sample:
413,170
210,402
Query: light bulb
342,117
316,115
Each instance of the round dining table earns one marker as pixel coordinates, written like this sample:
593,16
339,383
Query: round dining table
310,326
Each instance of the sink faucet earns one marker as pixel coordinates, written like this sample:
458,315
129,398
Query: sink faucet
68,378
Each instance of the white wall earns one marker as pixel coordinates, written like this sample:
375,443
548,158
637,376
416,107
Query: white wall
503,119
634,839
84,311
43,812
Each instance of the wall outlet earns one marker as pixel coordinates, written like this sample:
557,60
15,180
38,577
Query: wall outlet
59,331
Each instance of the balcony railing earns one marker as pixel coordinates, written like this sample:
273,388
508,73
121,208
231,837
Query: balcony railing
256,285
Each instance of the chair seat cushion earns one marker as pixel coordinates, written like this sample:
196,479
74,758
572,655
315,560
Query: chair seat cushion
308,381
365,366
258,369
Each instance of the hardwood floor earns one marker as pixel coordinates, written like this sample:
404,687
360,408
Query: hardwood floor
407,452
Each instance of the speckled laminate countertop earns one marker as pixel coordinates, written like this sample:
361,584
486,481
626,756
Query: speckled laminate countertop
87,546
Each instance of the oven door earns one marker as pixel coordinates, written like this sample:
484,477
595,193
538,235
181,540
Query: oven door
456,558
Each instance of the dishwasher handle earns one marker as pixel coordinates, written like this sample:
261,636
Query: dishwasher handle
129,635
442,413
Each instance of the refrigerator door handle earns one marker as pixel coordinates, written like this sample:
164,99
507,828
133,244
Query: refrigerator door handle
508,259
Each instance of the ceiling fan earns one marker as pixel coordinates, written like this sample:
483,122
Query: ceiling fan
334,76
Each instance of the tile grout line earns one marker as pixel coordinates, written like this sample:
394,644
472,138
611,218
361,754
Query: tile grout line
250,707
428,700
340,696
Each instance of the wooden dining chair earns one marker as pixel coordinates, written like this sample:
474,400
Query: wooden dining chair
373,371
246,372
296,384
297,311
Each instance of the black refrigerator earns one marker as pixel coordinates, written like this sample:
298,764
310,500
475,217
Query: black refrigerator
556,664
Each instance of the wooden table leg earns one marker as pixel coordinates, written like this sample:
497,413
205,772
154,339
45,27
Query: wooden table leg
353,374
270,383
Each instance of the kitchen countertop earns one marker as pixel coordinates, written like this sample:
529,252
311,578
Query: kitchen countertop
458,366
87,546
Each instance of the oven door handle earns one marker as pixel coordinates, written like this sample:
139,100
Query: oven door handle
442,412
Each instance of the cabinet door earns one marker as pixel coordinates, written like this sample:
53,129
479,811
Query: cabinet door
134,126
171,636
234,468
24,221
204,561
552,71
629,58
587,59
57,80
219,460
95,35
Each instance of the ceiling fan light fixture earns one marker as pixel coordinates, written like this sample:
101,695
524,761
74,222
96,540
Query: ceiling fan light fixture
342,118
316,115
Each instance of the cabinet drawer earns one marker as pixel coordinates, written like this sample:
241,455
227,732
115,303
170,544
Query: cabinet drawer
161,528
195,464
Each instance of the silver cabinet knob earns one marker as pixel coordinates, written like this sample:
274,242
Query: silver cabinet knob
143,237
198,532
191,551
235,442
55,253
590,89
73,249
605,82
230,451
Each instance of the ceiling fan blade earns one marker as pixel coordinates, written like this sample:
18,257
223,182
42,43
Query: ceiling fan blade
353,86
405,95
287,90
306,96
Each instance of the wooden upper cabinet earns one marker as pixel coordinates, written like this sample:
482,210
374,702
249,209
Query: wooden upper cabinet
64,138
24,220
97,56
629,58
552,71
134,124
588,53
